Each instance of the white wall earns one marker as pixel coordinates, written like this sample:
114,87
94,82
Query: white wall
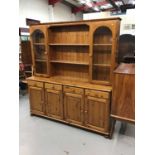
61,12
33,9
40,10
128,18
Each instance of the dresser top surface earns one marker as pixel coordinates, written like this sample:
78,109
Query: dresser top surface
72,83
78,22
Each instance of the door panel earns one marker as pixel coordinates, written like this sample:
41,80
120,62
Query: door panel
73,108
97,113
54,104
36,96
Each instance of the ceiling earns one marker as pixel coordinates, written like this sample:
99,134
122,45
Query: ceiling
88,6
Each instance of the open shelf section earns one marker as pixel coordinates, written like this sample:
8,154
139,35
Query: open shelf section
69,62
101,74
102,49
71,35
67,71
67,44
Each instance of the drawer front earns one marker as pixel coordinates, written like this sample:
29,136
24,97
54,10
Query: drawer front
69,89
53,86
35,84
99,94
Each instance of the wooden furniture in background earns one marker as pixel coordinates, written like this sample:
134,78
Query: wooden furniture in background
123,95
126,47
73,70
26,57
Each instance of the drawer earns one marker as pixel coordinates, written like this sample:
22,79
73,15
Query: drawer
95,93
35,84
69,89
53,86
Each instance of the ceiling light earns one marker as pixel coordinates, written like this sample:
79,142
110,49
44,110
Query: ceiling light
106,6
96,9
89,4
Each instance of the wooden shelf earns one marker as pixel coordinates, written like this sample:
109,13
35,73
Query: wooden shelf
66,44
102,44
38,44
69,62
40,60
102,65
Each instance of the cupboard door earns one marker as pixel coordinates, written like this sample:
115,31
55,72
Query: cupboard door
97,113
36,96
73,108
54,106
39,50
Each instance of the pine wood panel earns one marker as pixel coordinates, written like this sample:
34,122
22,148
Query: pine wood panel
54,105
97,113
102,55
123,98
69,34
35,84
71,71
53,86
36,96
97,94
101,73
80,84
73,108
69,89
70,53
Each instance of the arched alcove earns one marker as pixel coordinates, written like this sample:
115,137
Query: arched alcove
40,56
38,36
102,48
102,35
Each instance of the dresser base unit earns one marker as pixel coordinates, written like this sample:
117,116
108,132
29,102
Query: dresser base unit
79,104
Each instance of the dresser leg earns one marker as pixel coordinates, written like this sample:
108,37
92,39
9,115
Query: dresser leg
123,128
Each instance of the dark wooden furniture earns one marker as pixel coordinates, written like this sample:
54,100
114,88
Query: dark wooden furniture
123,95
126,50
73,69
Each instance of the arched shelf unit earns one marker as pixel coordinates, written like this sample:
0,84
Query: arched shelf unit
101,58
39,52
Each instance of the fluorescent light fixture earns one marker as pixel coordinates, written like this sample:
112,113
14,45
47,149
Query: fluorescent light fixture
96,9
82,2
106,6
118,3
89,4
